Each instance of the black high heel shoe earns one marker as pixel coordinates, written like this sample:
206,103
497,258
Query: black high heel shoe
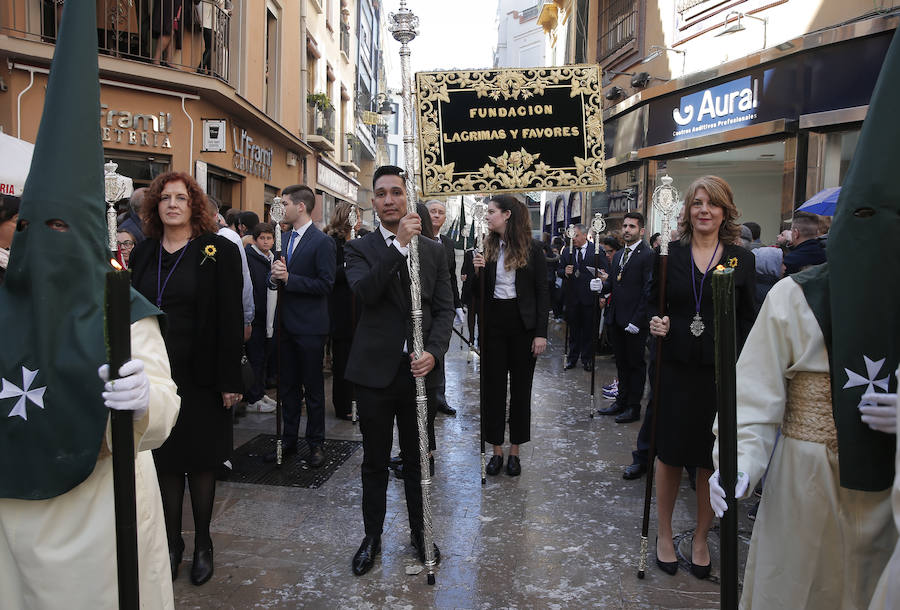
669,567
202,569
699,571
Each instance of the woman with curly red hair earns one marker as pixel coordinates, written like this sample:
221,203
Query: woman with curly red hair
194,276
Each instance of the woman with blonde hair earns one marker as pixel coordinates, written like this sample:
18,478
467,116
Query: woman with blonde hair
517,305
687,384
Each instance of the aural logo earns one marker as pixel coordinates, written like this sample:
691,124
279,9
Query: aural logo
717,107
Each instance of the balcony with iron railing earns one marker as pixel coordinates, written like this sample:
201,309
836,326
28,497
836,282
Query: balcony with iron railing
351,153
320,132
181,34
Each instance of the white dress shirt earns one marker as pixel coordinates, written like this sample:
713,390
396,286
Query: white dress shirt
297,239
247,291
390,238
505,282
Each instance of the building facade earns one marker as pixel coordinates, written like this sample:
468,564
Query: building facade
247,97
768,95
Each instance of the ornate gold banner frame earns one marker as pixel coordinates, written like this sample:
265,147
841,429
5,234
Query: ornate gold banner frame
510,130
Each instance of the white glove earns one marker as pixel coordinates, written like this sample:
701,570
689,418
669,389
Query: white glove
596,285
717,494
131,392
460,316
879,411
632,329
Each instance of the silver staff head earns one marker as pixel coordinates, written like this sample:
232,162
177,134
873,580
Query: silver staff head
665,201
570,233
352,218
479,212
276,213
114,187
598,226
404,25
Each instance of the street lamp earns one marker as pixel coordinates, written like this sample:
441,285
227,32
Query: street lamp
657,50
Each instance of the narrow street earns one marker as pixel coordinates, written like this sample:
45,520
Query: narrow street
565,534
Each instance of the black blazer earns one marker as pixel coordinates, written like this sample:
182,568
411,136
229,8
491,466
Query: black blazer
451,268
630,296
304,301
340,302
578,289
259,268
681,345
374,271
532,289
467,295
219,319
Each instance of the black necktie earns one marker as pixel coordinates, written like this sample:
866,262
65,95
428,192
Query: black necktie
578,258
625,257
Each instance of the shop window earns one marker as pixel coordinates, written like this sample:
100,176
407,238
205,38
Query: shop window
828,159
224,187
142,169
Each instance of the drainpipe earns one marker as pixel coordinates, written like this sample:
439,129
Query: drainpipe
304,72
19,102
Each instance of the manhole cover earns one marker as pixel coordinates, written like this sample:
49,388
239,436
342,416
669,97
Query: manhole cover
249,466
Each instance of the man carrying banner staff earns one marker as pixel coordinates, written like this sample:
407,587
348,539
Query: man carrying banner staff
381,364
577,271
819,364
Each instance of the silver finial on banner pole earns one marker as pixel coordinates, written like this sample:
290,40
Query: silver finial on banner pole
276,213
404,26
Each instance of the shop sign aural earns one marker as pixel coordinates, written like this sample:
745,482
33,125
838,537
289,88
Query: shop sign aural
135,129
333,181
510,130
719,108
251,158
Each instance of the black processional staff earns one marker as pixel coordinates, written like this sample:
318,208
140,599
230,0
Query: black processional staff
276,213
726,386
598,226
570,234
665,202
479,211
118,352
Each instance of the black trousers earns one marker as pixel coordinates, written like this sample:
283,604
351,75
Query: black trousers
301,376
580,319
630,365
506,356
341,389
377,409
257,348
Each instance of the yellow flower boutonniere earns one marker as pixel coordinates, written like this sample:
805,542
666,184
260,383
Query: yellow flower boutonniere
732,262
209,252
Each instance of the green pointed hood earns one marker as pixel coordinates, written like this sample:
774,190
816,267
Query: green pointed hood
863,269
52,416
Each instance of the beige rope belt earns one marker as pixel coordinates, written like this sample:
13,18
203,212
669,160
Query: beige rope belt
807,414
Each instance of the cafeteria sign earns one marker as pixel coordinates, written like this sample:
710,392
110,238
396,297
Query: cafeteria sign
510,130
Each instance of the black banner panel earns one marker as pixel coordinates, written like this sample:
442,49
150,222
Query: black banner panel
510,130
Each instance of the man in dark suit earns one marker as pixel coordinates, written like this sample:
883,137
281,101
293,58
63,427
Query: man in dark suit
382,364
627,317
306,270
438,213
573,268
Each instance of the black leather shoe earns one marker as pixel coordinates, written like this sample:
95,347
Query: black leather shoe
286,451
701,572
446,410
589,366
513,466
344,416
316,457
494,465
613,409
634,471
629,415
416,541
365,556
669,567
570,365
202,568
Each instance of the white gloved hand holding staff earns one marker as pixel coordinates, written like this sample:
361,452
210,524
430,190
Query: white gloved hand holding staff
130,392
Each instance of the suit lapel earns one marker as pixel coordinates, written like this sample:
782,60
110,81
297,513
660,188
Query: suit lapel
304,241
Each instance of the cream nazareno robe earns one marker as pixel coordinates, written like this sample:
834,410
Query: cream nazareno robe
815,544
61,552
887,594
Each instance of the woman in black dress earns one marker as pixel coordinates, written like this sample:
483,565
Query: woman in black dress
515,324
687,388
194,276
342,307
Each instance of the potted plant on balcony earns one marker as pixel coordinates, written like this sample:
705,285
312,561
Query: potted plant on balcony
320,100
